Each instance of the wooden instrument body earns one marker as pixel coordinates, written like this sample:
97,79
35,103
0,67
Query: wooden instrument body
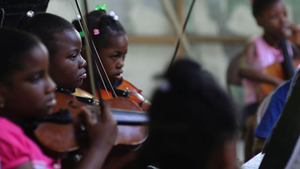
61,138
135,95
275,70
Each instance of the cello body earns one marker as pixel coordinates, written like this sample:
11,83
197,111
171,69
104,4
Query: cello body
275,70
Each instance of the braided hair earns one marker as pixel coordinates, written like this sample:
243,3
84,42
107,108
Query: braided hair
45,26
108,27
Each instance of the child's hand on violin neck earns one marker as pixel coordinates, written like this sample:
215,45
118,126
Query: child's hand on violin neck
295,34
102,133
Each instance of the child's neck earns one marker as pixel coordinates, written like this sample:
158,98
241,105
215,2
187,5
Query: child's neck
12,118
272,40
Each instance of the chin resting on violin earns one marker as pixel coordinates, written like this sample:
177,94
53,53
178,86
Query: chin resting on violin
111,44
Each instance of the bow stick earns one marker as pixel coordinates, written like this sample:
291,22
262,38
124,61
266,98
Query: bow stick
181,37
94,52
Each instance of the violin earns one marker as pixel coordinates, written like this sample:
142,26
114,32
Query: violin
129,91
60,137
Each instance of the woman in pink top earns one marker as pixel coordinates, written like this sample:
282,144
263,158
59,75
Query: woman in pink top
27,91
262,52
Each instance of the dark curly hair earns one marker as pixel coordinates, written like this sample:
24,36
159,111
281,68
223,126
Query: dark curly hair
108,27
14,46
45,26
190,118
259,6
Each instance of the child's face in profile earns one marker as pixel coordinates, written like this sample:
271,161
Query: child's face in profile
31,92
274,19
67,66
113,58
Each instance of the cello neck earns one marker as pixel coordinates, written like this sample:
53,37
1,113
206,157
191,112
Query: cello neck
288,65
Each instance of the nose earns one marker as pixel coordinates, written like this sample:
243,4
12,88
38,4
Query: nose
50,85
120,63
82,62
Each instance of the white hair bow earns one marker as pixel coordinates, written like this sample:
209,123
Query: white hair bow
113,14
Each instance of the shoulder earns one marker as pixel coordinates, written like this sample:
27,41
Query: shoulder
295,50
250,47
8,127
13,149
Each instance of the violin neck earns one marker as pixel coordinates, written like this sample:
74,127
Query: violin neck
124,117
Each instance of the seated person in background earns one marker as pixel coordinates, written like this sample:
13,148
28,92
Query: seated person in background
271,115
262,52
192,122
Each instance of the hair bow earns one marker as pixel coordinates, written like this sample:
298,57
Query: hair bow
113,14
30,14
102,7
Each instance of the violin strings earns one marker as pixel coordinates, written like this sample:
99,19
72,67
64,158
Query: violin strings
98,57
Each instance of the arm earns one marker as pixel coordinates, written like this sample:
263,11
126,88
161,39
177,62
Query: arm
296,51
102,136
259,143
271,115
295,39
246,70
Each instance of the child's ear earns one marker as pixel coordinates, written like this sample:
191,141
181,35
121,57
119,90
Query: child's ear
83,49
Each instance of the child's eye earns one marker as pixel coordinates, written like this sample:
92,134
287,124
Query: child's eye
73,57
114,57
35,78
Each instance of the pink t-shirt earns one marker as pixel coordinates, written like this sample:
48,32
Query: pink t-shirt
265,56
16,149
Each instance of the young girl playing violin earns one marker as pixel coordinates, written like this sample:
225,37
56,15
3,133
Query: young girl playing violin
111,42
67,66
27,92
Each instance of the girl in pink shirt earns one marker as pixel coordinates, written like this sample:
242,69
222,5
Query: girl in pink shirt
262,52
27,91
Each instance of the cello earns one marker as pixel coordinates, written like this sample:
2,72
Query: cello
284,70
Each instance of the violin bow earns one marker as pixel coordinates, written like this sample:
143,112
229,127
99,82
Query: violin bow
90,54
181,37
92,48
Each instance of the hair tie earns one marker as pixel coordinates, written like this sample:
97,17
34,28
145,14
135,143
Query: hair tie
30,14
164,85
113,14
81,34
102,7
96,31
78,17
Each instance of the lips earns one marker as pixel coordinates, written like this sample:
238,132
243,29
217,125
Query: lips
51,102
119,76
83,75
